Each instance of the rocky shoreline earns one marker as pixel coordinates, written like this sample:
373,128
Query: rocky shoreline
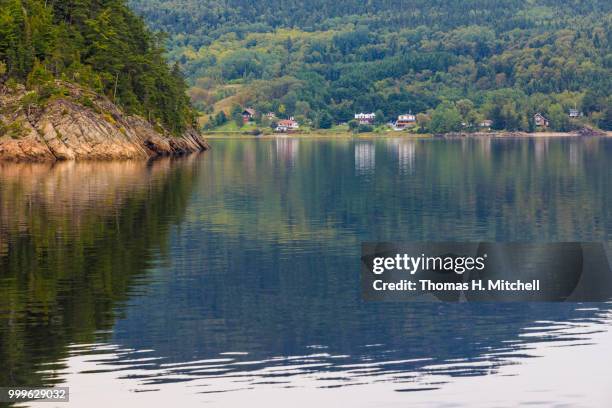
81,125
584,132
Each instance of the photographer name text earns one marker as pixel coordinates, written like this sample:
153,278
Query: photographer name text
499,285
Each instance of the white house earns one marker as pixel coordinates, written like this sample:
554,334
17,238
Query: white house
287,125
404,121
487,123
575,113
365,118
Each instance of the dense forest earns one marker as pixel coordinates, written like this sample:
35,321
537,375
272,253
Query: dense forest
452,61
100,44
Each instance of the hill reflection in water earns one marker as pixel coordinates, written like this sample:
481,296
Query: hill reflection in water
251,286
75,242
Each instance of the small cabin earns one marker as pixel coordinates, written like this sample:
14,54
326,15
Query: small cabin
540,120
487,124
248,115
575,113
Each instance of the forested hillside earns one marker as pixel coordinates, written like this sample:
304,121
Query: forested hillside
100,44
460,61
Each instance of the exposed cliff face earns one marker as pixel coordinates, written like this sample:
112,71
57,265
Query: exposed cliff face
81,125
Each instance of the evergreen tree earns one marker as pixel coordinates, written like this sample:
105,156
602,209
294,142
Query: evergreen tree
606,121
325,121
236,114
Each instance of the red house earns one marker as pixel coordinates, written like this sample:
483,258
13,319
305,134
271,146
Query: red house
248,115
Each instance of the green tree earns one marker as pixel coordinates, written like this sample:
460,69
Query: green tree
591,102
511,117
423,121
39,75
558,118
302,108
380,117
220,119
606,121
465,108
445,118
363,128
236,115
325,121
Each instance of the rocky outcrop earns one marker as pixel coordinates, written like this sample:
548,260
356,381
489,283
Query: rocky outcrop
81,125
589,131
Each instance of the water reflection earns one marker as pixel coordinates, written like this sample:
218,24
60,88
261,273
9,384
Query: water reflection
365,157
485,145
574,155
406,156
541,149
76,241
235,275
287,150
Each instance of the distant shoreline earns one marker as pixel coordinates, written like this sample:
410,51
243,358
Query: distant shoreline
323,134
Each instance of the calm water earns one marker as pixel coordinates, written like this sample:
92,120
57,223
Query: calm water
232,278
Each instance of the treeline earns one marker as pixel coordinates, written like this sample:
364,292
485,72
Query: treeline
202,21
313,59
100,44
